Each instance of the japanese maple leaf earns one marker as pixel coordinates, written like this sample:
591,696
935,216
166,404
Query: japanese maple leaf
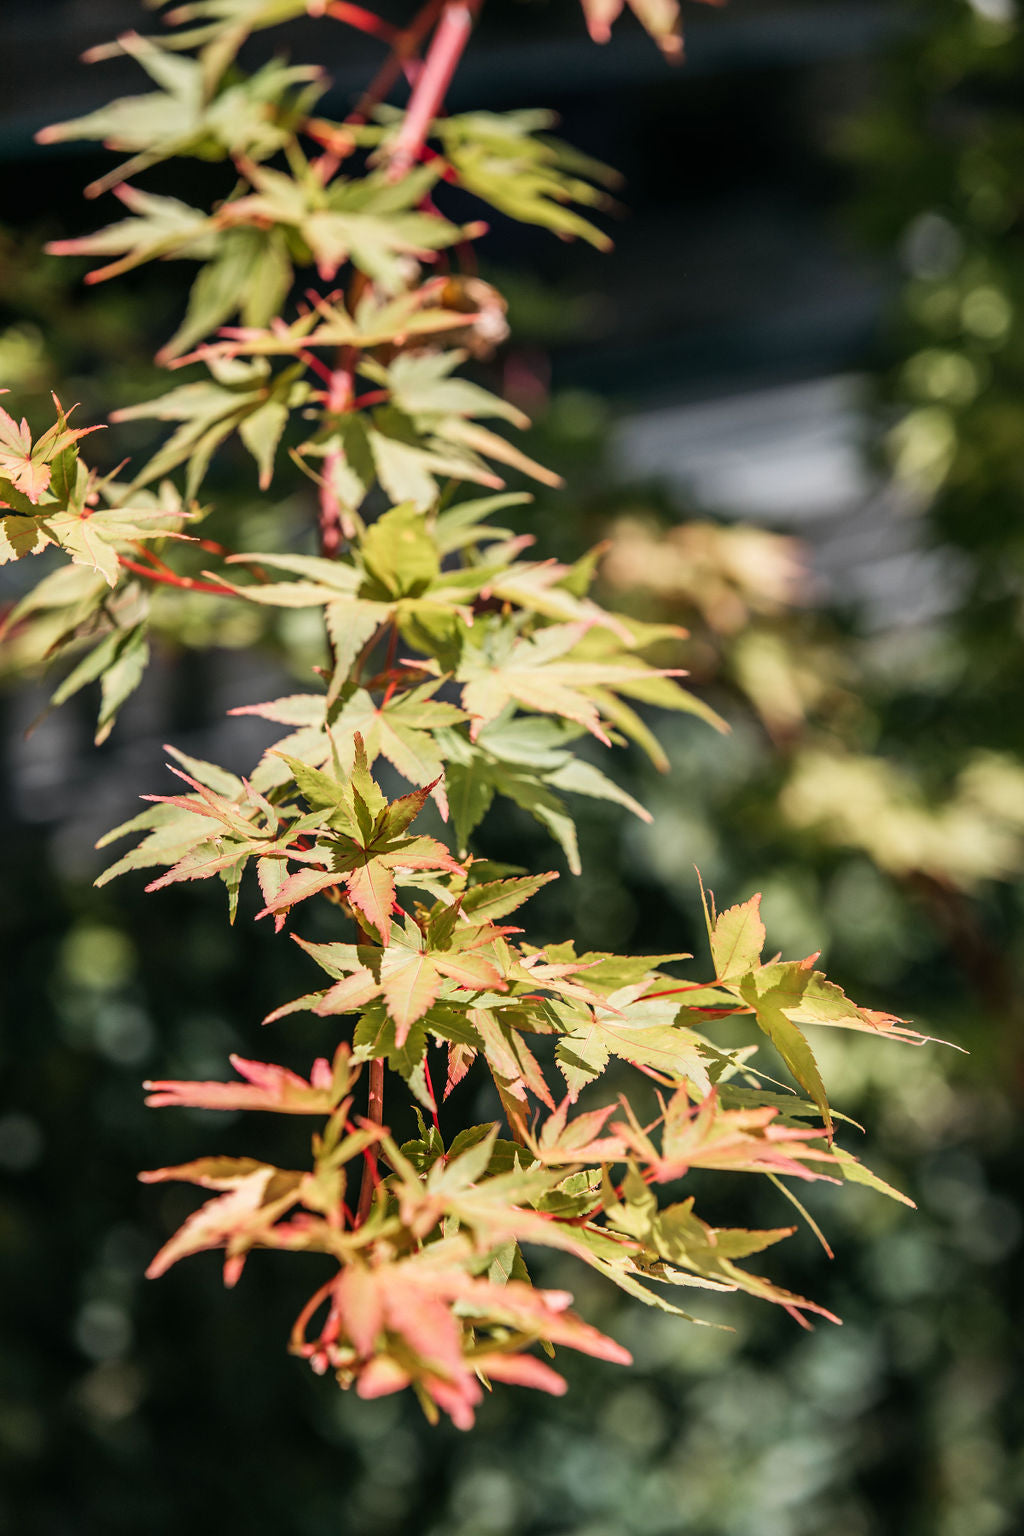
540,674
28,466
369,848
397,728
578,1140
254,1196
784,995
647,1031
265,1086
411,971
394,1324
677,1236
704,1135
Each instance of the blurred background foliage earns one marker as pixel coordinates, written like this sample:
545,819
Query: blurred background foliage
872,786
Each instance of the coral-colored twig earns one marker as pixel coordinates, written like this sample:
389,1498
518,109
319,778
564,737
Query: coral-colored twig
442,60
406,46
167,578
364,21
375,1113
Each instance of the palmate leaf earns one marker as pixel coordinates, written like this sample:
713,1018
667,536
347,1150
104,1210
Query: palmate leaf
119,662
393,574
700,1133
528,761
28,469
159,228
372,223
399,729
782,996
253,1200
428,429
48,497
246,272
215,831
264,1086
373,323
427,1321
676,1236
366,848
237,397
409,975
218,28
505,159
544,674
648,1032
251,117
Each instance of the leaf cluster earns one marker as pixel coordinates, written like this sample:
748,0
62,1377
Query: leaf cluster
452,657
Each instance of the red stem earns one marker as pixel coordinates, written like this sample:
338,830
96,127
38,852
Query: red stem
375,1113
433,1095
168,579
440,64
405,47
364,21
339,398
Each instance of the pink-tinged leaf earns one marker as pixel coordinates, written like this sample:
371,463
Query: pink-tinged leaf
460,1059
30,477
661,18
372,889
402,813
350,994
266,1087
232,1270
578,1140
360,1303
216,1222
704,1135
16,462
457,1400
521,1371
422,853
415,1313
305,883
380,1377
207,1172
410,983
474,972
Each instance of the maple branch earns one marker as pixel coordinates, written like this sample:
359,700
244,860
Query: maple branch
405,47
364,21
430,1090
339,396
375,1114
168,579
432,84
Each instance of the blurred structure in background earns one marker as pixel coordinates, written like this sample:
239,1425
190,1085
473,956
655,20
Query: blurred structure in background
817,464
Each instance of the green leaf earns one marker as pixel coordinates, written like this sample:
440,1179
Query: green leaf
768,995
737,940
400,552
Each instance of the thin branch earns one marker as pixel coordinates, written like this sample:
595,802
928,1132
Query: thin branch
339,399
168,579
364,21
375,1114
405,47
446,49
